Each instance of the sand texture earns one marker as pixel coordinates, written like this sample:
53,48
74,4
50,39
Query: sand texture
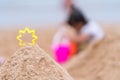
32,63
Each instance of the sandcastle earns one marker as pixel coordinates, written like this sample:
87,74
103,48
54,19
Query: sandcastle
32,63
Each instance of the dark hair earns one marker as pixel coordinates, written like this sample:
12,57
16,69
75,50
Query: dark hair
76,16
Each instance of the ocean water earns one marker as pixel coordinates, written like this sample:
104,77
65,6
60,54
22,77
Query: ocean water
24,12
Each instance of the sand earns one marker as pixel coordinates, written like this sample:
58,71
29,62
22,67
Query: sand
98,62
32,63
101,62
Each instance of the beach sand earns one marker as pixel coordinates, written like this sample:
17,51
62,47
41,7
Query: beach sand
32,63
98,63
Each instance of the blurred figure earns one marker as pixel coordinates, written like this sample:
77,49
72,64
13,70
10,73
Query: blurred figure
87,31
75,34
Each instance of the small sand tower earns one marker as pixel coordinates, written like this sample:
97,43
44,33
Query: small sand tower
32,63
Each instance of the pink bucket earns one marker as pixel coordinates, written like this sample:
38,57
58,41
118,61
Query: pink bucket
62,53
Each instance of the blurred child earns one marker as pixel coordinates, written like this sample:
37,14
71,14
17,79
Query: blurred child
87,31
77,31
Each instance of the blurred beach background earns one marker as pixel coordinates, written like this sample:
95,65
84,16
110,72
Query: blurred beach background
45,16
42,12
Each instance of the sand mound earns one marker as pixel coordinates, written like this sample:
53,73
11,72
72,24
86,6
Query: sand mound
100,62
32,63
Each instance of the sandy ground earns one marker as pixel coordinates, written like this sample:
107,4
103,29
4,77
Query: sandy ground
98,63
